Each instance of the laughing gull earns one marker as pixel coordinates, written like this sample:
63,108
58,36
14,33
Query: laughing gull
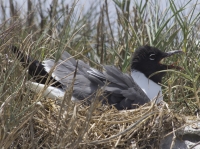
122,90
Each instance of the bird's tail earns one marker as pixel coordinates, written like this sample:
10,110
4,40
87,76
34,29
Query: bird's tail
23,58
35,68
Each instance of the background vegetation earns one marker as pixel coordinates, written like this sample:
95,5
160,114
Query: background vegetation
27,120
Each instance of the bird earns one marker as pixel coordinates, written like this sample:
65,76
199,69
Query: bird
122,90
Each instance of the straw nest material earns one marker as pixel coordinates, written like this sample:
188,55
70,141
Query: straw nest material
48,125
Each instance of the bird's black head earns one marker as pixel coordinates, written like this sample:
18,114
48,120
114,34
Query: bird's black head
146,59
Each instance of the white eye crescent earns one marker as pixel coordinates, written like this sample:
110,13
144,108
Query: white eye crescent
152,57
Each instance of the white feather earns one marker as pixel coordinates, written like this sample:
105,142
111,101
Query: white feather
150,88
50,91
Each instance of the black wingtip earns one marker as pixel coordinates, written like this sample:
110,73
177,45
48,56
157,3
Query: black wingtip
35,68
14,49
23,58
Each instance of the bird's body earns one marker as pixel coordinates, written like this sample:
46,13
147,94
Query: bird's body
119,89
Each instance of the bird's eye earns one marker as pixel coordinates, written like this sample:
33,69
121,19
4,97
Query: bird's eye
152,57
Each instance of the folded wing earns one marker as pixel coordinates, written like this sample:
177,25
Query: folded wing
84,86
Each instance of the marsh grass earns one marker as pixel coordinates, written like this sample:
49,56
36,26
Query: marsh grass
30,121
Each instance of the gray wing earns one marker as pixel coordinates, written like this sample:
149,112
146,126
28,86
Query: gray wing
65,67
85,85
124,93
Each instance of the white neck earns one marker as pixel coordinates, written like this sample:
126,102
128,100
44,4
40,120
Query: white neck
150,88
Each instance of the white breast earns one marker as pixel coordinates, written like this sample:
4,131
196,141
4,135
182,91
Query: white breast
150,88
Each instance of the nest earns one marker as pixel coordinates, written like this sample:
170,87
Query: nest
47,125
